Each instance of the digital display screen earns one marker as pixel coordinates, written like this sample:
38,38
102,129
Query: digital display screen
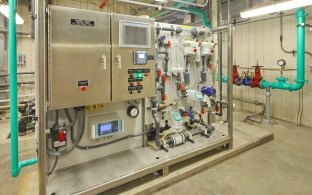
106,127
142,56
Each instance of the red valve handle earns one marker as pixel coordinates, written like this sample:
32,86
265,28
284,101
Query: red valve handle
103,4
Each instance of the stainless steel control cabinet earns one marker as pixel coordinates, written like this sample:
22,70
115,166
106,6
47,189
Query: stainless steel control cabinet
79,67
130,80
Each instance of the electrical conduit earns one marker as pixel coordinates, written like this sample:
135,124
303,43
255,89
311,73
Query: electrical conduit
281,81
16,166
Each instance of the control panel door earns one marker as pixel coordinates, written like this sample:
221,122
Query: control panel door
78,57
133,50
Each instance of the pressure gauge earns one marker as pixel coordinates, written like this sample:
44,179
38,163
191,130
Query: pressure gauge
281,62
133,111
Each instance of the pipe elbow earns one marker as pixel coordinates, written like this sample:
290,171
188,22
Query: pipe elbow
15,172
297,86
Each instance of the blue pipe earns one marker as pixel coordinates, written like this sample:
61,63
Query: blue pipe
15,165
300,81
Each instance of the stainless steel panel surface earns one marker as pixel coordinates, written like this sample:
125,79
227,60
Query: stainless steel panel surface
120,74
79,50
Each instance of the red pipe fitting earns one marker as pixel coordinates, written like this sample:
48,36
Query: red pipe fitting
103,4
235,74
255,81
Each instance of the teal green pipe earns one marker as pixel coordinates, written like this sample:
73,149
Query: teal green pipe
300,81
224,78
175,5
15,165
201,13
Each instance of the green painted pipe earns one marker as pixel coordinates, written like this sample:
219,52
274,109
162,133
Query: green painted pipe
281,81
224,78
175,5
199,12
15,165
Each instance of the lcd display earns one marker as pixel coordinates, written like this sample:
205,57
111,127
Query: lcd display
105,127
142,56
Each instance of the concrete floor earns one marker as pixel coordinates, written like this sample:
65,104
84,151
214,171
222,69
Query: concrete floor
282,166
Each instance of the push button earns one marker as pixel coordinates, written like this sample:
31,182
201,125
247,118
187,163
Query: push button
83,88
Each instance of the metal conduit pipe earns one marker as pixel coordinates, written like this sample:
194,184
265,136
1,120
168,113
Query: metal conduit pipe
19,73
5,31
230,75
21,96
293,52
220,69
151,5
267,115
192,4
256,103
19,83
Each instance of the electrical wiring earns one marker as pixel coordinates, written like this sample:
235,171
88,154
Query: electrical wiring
54,165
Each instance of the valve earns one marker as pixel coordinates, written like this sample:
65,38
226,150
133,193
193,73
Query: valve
235,73
209,91
246,80
168,44
159,73
255,81
163,97
164,78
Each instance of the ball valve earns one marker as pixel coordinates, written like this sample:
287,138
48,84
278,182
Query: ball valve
209,91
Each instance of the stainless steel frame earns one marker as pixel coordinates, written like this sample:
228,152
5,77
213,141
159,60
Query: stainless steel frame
41,91
41,54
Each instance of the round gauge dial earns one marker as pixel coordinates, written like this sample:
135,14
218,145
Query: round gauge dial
281,62
133,111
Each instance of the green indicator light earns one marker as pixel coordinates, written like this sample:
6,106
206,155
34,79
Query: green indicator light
138,75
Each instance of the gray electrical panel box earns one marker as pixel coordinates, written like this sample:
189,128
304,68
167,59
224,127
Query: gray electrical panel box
79,57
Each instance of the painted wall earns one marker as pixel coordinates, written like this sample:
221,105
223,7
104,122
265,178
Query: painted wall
260,41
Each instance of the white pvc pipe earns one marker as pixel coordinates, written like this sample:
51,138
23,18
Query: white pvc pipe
193,4
159,7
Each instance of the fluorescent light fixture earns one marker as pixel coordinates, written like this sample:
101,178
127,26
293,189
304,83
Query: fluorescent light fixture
275,7
4,9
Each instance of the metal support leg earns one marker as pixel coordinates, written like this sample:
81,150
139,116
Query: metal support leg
40,91
267,116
